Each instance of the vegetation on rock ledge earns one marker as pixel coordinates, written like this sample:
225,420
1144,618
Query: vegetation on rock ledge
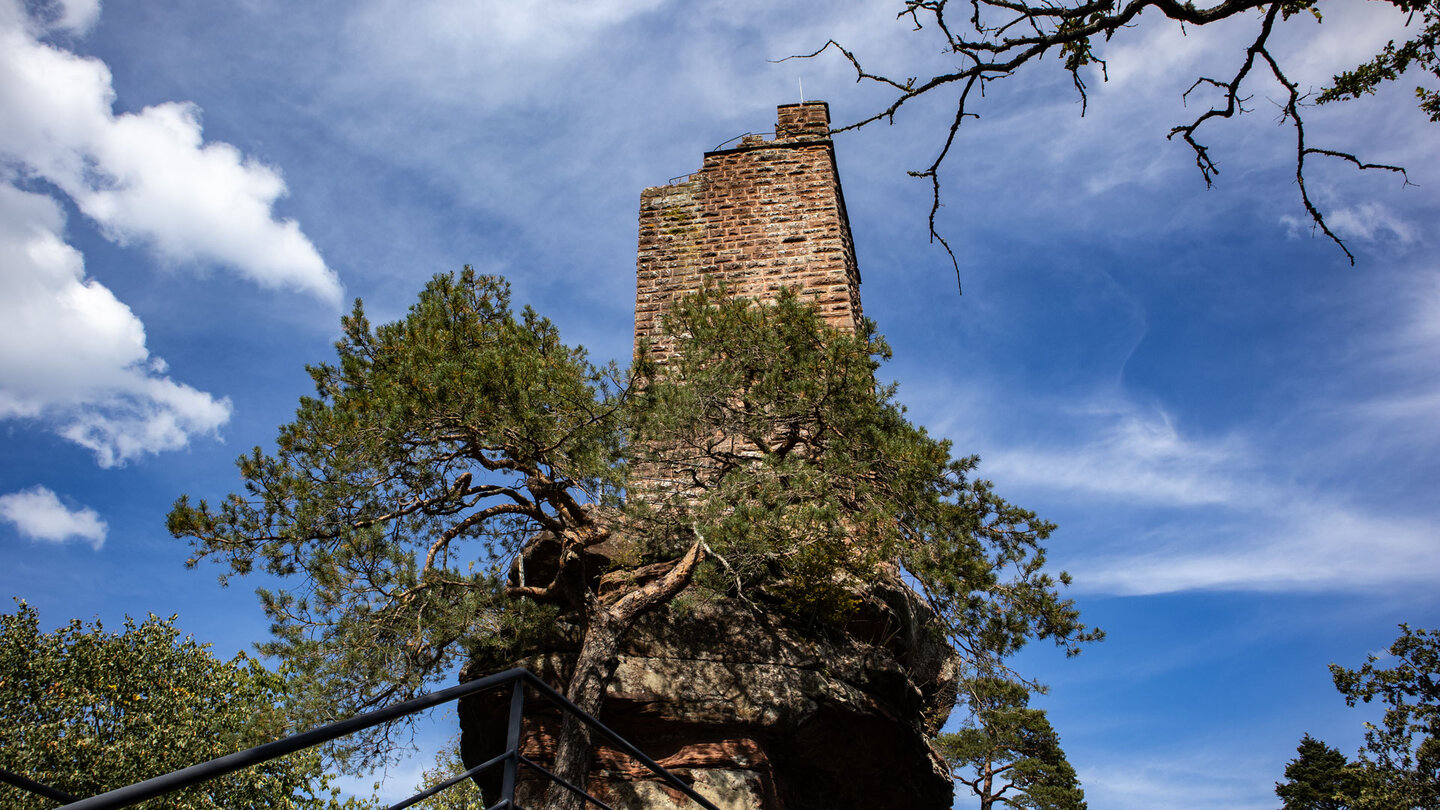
762,461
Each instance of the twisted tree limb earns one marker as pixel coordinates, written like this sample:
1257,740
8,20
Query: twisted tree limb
993,39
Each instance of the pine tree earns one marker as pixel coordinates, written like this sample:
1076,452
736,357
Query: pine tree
764,458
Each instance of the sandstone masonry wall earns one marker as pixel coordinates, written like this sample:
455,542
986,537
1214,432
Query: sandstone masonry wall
756,218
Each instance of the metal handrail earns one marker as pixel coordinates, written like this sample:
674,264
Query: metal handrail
38,788
739,137
511,759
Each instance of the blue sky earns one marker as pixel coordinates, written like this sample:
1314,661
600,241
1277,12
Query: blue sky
1235,429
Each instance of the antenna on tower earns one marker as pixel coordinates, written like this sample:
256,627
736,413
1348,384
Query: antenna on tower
802,89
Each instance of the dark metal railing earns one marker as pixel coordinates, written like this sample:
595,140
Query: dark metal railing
37,788
510,761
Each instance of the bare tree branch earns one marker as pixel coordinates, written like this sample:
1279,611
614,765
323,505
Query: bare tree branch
999,37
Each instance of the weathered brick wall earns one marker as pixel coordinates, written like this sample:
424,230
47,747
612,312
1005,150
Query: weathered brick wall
761,216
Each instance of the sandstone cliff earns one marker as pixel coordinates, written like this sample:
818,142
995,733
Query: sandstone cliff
757,710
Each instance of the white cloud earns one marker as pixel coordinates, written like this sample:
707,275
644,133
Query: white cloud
482,52
71,354
43,16
74,355
1136,457
1348,35
145,177
1301,545
1395,406
1190,780
1159,56
1367,222
1422,327
1220,520
39,515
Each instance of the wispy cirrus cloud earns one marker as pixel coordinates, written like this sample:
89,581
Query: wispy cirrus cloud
1366,221
1134,457
1220,518
1392,405
461,51
1149,781
1304,545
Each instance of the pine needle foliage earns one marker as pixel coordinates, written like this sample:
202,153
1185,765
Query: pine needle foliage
761,462
1008,754
1398,768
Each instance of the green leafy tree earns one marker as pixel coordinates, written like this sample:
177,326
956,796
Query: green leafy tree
460,796
1394,61
1400,763
762,461
1008,754
1319,778
986,41
85,711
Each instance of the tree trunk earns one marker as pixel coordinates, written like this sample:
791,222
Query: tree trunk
594,666
987,798
599,655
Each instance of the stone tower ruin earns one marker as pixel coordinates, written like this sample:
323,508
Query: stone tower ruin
758,216
757,712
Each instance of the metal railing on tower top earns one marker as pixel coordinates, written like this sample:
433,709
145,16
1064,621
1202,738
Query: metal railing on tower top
511,760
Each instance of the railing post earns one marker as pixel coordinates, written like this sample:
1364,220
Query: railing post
512,741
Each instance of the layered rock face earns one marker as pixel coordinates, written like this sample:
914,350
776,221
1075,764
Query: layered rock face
754,710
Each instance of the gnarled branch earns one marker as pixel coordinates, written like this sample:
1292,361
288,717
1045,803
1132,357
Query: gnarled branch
999,37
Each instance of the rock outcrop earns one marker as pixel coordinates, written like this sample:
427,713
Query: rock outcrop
755,710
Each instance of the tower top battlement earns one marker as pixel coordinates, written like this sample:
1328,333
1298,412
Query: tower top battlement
807,119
